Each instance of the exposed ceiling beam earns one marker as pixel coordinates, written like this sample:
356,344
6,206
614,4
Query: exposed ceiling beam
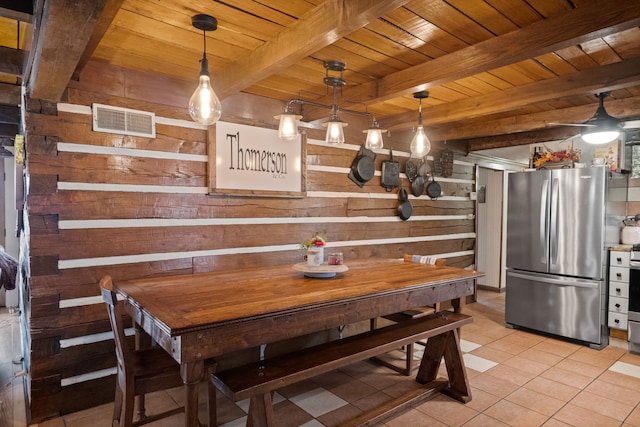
12,61
53,67
520,138
622,108
320,27
590,21
106,17
9,115
10,94
606,78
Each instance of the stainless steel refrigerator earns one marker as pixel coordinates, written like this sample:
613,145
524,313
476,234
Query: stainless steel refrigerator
559,225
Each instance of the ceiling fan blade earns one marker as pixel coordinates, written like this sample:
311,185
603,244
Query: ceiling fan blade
570,124
632,124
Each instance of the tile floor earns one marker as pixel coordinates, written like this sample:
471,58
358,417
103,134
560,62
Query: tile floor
517,379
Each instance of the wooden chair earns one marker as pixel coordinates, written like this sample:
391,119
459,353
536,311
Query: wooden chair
403,316
139,371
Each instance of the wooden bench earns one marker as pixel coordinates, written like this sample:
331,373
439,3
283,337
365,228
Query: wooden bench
257,381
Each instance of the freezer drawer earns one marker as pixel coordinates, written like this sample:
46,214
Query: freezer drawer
572,308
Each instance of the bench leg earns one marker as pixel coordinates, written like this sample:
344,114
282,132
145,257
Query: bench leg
261,411
446,345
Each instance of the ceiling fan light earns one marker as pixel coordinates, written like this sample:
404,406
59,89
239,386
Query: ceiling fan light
599,136
335,134
288,127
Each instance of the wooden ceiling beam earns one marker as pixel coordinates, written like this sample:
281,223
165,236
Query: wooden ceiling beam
519,138
53,65
10,94
588,22
12,61
606,78
320,27
468,129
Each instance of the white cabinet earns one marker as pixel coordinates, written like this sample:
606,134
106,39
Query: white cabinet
618,289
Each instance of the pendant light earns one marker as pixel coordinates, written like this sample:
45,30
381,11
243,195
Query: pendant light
288,119
204,105
374,136
602,127
420,144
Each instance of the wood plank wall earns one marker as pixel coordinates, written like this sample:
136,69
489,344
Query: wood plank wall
128,206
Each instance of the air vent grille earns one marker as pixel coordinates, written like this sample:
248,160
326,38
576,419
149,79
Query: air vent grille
107,118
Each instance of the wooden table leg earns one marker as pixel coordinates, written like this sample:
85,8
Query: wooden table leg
446,345
191,373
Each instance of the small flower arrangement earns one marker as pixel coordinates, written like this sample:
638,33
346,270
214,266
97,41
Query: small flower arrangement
318,240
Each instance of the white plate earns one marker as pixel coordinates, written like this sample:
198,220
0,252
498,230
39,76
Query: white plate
324,271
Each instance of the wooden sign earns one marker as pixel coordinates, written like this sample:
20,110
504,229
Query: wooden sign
252,160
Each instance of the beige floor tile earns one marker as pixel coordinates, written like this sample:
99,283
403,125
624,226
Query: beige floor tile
622,380
581,417
633,359
527,365
497,386
557,347
614,391
569,378
555,423
552,388
541,356
414,418
602,405
447,411
481,400
507,346
535,401
585,369
492,354
482,420
514,375
515,415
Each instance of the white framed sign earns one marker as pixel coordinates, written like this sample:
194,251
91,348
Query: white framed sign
252,160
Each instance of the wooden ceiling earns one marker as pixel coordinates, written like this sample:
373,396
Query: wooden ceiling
499,72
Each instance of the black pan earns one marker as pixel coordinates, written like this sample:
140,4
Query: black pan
417,186
404,208
433,189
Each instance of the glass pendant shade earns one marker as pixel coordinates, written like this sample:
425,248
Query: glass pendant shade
204,105
335,134
288,127
420,144
374,137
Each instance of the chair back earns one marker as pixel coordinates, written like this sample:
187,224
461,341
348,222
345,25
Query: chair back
117,326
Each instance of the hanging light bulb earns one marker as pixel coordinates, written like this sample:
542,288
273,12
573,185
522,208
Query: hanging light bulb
374,136
420,144
204,105
288,127
335,134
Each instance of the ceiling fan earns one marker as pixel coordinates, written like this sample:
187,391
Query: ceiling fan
602,127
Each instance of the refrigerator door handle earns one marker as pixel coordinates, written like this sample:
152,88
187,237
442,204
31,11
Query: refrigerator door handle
553,241
562,282
544,226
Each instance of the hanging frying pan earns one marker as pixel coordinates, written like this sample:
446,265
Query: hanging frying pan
363,166
404,208
390,173
417,186
433,189
411,169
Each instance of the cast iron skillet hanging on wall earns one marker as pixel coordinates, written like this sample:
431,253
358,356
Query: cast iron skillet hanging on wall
433,189
404,208
363,166
390,173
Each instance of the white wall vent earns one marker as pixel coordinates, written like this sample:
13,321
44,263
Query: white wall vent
107,118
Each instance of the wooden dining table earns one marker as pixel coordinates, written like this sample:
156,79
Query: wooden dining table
198,317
